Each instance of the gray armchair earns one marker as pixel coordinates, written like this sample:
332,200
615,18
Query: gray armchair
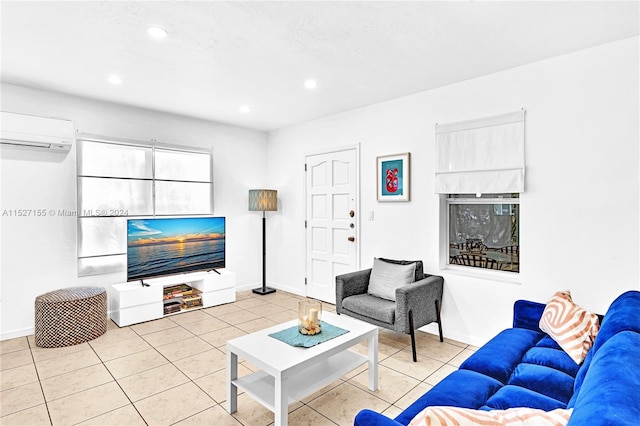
417,304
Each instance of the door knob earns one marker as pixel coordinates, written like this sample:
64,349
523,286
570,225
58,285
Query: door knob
352,213
352,239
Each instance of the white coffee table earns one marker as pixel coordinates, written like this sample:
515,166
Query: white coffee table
287,373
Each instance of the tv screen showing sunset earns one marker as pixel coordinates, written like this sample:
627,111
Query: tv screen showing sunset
168,246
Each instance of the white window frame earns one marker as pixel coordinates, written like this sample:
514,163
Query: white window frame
470,271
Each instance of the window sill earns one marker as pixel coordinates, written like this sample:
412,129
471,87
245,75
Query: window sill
485,274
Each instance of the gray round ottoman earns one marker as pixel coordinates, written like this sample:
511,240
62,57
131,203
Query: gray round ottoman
70,316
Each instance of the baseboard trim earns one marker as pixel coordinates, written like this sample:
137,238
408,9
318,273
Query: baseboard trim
17,333
432,328
277,286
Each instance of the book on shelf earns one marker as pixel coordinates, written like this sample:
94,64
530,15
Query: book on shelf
192,297
188,306
191,301
171,307
177,290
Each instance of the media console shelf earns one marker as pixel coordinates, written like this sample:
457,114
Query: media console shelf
131,302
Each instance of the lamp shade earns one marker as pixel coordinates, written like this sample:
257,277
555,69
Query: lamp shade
263,200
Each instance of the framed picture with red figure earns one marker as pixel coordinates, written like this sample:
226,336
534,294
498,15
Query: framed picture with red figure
394,177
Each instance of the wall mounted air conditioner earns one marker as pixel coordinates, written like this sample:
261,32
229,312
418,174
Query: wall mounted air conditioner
31,132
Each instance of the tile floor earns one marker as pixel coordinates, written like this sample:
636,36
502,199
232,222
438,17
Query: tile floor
171,371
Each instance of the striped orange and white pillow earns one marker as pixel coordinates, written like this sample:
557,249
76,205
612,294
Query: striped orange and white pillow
519,416
571,326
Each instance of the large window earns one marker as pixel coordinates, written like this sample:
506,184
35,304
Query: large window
118,180
483,231
480,172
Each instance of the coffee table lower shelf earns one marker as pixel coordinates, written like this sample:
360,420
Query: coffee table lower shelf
261,386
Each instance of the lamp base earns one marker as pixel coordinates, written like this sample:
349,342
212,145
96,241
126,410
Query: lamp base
264,290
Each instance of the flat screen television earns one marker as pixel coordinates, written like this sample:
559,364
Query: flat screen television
167,246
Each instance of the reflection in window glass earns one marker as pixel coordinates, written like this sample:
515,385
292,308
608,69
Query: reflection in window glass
102,264
182,198
484,231
115,197
99,236
182,166
114,160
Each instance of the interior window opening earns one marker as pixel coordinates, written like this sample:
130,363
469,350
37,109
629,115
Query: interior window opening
484,231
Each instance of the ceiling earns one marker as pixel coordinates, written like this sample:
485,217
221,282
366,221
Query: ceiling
220,55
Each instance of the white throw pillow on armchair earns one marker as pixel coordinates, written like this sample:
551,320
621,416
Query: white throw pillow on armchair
387,277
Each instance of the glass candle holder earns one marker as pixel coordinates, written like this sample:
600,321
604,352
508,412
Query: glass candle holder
309,317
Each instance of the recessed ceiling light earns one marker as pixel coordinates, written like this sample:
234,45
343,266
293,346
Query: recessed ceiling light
310,84
157,32
245,109
114,79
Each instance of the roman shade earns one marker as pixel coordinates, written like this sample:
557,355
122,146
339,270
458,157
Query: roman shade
484,155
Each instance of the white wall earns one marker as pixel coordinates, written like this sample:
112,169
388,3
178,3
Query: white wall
39,253
579,222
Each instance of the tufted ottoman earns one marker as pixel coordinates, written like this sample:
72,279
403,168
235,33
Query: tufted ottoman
70,316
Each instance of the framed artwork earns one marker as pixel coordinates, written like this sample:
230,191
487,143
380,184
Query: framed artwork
394,177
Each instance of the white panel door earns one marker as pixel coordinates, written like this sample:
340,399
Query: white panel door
331,220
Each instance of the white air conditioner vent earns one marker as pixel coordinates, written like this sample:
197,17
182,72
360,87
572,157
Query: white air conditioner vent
31,132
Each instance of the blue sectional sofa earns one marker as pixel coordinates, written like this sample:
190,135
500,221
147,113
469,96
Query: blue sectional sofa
524,367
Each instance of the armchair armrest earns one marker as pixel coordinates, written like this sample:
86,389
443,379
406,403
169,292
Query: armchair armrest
419,297
351,284
371,418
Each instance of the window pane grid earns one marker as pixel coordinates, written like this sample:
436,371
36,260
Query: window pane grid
182,180
454,201
114,177
117,181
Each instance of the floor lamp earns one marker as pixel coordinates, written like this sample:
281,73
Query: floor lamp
263,200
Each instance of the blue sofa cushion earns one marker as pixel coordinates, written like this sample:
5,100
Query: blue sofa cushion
369,417
551,357
547,381
462,388
548,342
577,384
609,394
515,396
499,357
621,315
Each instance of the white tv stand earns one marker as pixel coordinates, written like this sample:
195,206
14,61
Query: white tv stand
132,302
